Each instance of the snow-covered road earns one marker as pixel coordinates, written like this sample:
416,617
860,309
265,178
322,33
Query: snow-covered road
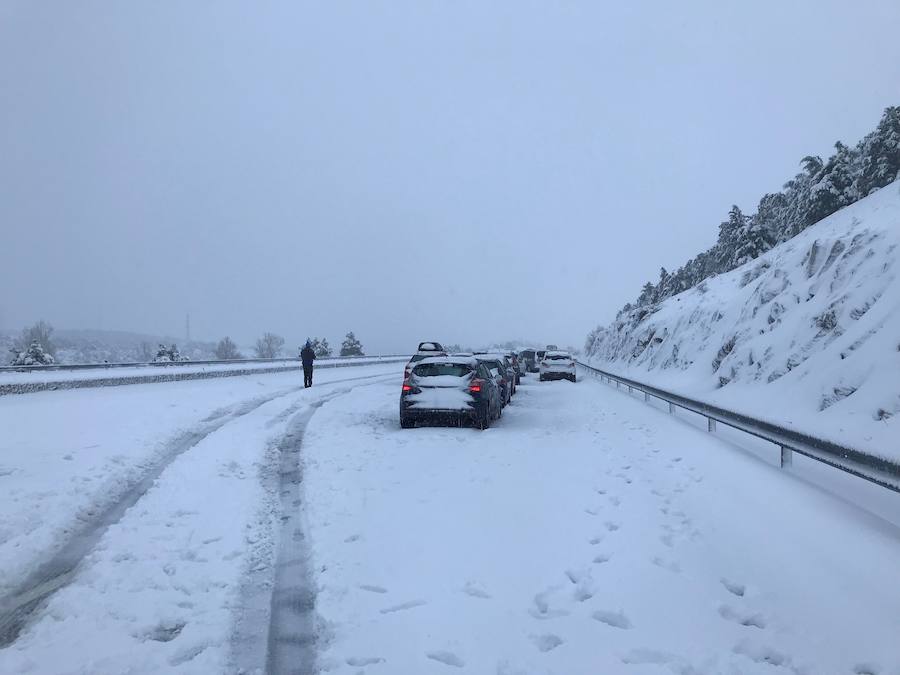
584,533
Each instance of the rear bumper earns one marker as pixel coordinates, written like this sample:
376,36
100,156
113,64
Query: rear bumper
557,374
445,417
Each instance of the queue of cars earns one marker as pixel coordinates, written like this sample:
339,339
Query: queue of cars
469,387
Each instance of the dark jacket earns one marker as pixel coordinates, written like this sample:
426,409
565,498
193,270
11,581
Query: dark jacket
307,355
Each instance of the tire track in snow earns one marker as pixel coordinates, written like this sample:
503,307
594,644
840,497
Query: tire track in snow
277,626
18,606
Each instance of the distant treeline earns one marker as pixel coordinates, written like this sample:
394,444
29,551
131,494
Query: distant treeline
819,190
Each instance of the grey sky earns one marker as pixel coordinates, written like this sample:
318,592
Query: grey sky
467,171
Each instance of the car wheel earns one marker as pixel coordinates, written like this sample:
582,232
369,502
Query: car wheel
406,422
483,421
572,378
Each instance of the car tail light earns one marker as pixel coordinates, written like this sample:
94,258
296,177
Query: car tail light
475,386
407,387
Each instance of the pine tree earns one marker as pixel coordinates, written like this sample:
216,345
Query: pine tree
351,346
881,153
321,348
33,356
168,354
41,332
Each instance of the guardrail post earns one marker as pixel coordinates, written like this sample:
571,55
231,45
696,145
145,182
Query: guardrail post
646,397
787,457
710,425
671,408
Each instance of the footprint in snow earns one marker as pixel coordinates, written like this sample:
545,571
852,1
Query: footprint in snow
447,658
614,619
670,565
403,606
611,526
602,558
546,642
357,661
593,541
734,587
584,584
762,654
541,609
745,619
372,588
474,590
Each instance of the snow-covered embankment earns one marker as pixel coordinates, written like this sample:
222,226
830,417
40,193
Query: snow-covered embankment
807,335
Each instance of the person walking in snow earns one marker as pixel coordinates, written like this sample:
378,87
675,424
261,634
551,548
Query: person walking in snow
307,356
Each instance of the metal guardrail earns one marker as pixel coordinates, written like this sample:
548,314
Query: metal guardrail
164,364
872,468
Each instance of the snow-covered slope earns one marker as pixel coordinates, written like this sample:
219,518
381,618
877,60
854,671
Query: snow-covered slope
806,335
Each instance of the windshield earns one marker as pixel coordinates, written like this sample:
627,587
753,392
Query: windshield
437,369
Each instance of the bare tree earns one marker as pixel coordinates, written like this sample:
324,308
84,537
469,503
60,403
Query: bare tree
40,333
227,350
269,346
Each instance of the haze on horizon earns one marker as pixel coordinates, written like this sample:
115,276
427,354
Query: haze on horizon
464,171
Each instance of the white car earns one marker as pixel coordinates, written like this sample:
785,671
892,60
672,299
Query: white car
557,365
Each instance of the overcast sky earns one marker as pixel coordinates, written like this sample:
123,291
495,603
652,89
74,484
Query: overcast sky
460,171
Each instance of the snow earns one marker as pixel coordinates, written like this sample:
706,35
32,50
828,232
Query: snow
807,335
584,532
441,398
66,456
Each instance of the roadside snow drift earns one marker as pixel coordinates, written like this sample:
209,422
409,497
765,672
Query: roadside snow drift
807,335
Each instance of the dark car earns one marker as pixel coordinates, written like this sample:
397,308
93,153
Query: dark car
514,360
502,372
425,350
528,357
449,390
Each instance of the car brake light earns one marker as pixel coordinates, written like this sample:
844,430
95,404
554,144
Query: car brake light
407,387
475,386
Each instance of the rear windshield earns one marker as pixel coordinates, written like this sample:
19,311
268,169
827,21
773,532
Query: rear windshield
558,357
436,369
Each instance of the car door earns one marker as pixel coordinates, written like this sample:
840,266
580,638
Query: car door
494,396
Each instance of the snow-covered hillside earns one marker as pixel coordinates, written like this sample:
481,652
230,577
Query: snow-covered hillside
806,335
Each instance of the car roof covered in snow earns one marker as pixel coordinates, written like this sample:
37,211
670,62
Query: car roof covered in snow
557,352
461,360
491,356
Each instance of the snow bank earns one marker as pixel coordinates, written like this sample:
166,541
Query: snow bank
12,382
807,335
